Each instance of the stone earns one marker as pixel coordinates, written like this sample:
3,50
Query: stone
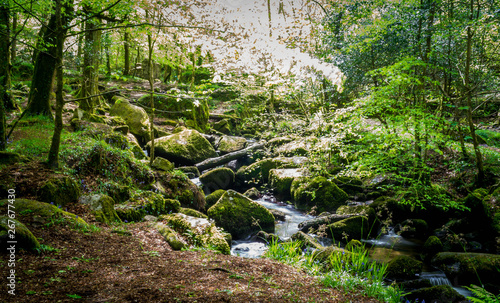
219,178
413,228
60,191
229,144
253,193
146,203
403,267
136,117
177,186
212,198
190,171
278,215
25,239
355,227
172,237
192,212
281,179
432,246
300,147
318,192
305,240
311,225
102,207
240,216
187,147
435,294
258,172
162,164
223,126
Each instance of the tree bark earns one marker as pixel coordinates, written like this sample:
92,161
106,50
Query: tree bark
5,81
151,97
126,46
213,162
13,44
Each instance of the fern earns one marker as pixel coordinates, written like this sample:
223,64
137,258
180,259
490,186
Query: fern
481,295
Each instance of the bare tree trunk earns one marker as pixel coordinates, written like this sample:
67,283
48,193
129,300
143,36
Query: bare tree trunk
126,46
91,62
13,44
5,81
151,97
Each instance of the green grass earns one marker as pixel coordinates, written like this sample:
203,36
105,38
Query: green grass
32,137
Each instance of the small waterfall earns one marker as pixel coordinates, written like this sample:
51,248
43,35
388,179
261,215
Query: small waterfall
435,277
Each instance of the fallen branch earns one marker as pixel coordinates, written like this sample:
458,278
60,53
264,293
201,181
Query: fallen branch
213,162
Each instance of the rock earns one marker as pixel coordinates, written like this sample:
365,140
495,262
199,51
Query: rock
172,238
190,171
435,294
23,235
7,158
318,192
193,213
187,147
313,224
223,126
295,148
118,192
403,267
305,240
281,179
413,228
351,186
355,227
468,268
258,172
128,142
212,198
102,207
146,203
364,210
229,144
136,117
149,218
162,164
240,216
278,215
60,191
322,255
179,187
46,213
219,178
267,237
388,207
432,246
253,193
278,141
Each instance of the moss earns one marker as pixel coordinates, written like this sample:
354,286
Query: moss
23,235
253,193
184,148
413,228
365,210
348,229
7,158
228,144
218,178
240,216
211,237
172,238
122,142
223,126
214,197
47,213
136,118
144,203
193,213
306,240
60,191
281,180
102,207
190,171
177,222
179,187
468,268
432,246
318,192
438,294
353,244
403,267
163,164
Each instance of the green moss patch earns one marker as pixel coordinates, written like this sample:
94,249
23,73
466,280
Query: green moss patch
146,203
22,235
318,192
60,191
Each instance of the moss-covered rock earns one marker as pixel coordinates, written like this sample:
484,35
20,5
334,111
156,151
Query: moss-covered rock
435,294
301,147
432,246
281,179
354,245
146,203
258,172
347,229
252,193
173,238
229,144
469,268
60,191
7,158
224,126
193,213
403,267
350,185
187,147
212,198
218,178
179,187
240,216
46,213
118,192
125,142
102,207
190,171
364,210
162,164
176,108
413,228
387,207
136,117
305,240
318,192
23,235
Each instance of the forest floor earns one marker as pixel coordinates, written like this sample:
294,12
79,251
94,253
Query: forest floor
133,263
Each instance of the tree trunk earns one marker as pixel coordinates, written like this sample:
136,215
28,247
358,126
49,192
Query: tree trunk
53,159
5,82
13,44
91,61
126,39
213,162
151,97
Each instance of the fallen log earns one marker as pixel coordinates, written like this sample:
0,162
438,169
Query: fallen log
213,162
315,223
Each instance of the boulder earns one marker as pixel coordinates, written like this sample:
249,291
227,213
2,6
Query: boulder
136,118
403,267
432,246
60,191
187,147
240,216
253,193
229,144
219,178
295,148
173,238
23,235
469,268
125,142
311,225
281,179
190,171
192,213
355,227
413,228
278,215
305,240
177,186
258,172
435,294
146,203
223,126
102,207
212,198
7,158
162,164
364,210
318,192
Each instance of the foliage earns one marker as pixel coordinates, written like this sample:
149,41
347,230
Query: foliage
481,295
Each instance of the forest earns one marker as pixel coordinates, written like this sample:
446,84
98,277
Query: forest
250,151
